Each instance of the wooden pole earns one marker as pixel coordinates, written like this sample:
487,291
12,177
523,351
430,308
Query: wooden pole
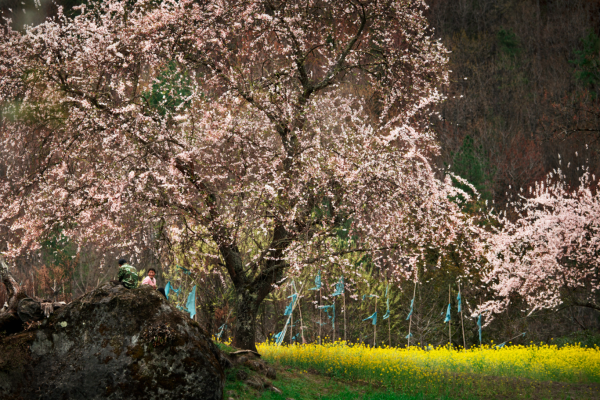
480,345
345,339
389,331
389,317
320,320
375,326
292,317
333,320
461,322
410,319
301,321
450,321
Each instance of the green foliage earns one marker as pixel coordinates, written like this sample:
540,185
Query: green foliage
471,163
587,62
584,338
170,91
508,43
57,250
224,347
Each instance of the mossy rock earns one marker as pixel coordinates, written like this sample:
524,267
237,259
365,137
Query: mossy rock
112,343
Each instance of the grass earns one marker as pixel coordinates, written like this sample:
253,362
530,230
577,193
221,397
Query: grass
224,347
300,385
337,371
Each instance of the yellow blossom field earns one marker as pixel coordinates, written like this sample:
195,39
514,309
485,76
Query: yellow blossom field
403,368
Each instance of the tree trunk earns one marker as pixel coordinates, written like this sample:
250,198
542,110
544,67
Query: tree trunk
244,329
252,285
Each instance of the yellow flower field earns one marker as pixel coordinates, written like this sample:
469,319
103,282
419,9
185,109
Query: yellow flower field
401,367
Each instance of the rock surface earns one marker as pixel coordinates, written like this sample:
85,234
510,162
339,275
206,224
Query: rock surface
112,343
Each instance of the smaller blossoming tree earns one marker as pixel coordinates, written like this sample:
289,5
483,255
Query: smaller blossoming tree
549,254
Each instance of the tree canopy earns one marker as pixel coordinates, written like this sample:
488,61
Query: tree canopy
239,131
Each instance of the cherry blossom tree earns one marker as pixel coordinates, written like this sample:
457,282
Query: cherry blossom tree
246,133
549,254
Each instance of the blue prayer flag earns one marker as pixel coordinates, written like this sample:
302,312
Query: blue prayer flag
387,302
412,302
185,270
167,289
408,336
373,317
459,302
221,331
447,314
317,282
331,317
191,302
339,287
479,325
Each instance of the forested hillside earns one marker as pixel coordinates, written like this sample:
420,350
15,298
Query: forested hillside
523,101
524,91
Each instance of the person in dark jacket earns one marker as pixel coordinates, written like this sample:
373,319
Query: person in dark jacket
127,274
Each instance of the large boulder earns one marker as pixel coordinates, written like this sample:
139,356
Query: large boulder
112,343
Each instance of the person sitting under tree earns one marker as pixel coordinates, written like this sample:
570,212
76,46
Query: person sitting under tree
127,274
150,280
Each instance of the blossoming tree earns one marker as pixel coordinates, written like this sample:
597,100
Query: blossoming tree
248,132
549,254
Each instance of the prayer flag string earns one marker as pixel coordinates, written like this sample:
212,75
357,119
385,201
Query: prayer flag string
288,309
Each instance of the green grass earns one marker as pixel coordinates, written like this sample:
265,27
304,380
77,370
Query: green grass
224,348
298,384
